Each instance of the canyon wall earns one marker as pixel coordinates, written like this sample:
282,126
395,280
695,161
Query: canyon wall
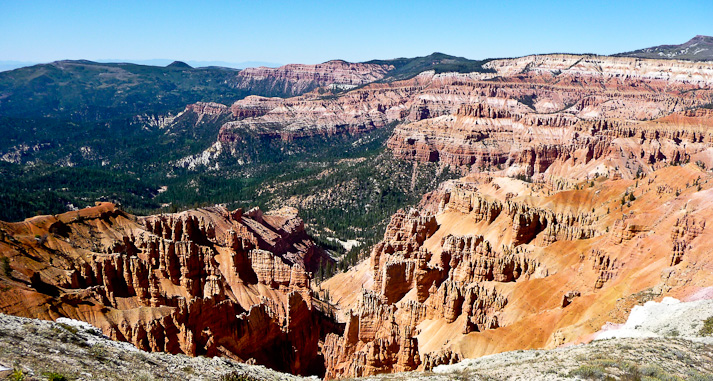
586,193
586,190
538,98
203,282
504,264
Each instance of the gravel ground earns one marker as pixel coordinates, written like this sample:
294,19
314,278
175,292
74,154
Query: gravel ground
615,359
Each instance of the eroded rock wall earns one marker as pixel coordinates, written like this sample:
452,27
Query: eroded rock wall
204,282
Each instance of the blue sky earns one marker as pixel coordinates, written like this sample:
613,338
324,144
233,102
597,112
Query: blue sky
316,31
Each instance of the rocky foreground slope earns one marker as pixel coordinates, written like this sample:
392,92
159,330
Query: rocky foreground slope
204,282
38,349
622,359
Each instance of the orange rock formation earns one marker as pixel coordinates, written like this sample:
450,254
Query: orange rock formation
203,282
586,190
512,265
588,193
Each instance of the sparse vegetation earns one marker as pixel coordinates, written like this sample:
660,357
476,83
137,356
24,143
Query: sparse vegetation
143,377
524,177
528,100
54,376
5,266
69,328
98,351
17,375
673,333
707,328
610,369
589,372
236,376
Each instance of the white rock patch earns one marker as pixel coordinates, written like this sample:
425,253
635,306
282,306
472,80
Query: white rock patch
669,318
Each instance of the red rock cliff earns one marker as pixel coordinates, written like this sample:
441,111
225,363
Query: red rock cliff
203,282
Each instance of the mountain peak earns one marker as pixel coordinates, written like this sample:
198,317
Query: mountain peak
179,65
701,37
698,48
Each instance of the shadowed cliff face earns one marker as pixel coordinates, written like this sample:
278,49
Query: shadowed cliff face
203,282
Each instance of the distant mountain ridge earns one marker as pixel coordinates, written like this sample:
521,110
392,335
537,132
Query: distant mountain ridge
406,68
12,65
90,91
699,48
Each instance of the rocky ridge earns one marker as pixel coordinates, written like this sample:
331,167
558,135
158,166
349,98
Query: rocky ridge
699,48
295,79
534,95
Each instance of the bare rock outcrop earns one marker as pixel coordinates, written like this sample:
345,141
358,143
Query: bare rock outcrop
533,116
412,285
509,264
296,79
684,231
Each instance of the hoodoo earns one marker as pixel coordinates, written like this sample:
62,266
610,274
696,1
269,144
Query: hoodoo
202,282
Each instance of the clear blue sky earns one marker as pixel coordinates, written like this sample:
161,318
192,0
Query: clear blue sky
316,31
